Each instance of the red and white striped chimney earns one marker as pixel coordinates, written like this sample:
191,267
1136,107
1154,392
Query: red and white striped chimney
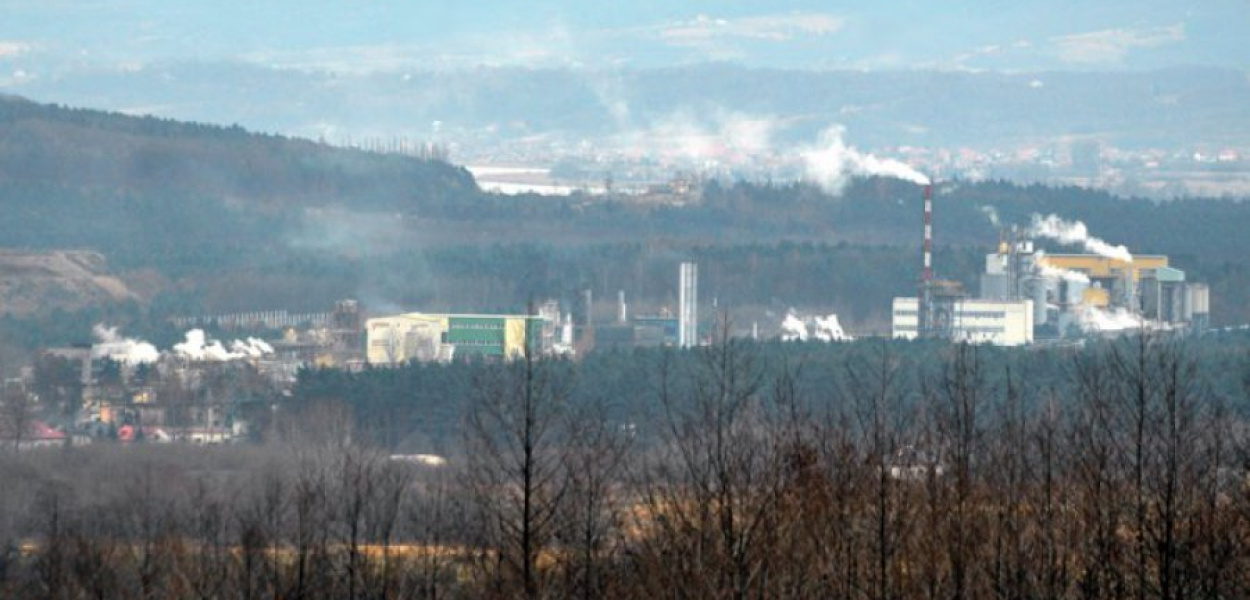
928,234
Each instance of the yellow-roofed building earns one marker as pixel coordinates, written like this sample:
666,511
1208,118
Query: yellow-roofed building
442,337
1102,267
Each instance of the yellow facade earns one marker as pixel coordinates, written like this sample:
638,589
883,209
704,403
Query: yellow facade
1096,297
514,338
1101,267
400,338
389,337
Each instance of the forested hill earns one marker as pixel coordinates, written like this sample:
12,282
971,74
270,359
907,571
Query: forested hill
78,149
199,219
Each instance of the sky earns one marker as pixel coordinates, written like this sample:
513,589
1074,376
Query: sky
41,37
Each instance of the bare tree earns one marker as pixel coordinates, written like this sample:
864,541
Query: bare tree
432,520
712,489
1046,439
516,443
593,514
882,421
17,415
958,406
207,566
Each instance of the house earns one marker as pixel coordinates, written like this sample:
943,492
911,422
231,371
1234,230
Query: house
38,434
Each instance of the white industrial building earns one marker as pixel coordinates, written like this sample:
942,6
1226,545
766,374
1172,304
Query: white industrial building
998,322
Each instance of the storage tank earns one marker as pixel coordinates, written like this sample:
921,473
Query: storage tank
1074,292
1037,291
1200,303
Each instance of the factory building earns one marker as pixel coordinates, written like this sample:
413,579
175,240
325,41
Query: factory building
1112,281
998,322
1026,292
1077,294
943,310
443,337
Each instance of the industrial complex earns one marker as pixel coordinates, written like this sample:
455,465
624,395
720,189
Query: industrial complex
1027,295
397,339
206,390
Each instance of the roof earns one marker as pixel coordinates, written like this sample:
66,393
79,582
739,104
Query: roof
1169,275
39,431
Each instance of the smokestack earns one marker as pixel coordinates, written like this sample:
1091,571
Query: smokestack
928,235
622,311
688,305
924,314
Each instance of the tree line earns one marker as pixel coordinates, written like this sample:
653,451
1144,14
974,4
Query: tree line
956,475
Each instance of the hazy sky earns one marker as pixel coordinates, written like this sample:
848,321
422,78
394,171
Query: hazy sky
44,36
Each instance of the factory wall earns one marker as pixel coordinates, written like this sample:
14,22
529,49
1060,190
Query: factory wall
423,337
1002,323
400,338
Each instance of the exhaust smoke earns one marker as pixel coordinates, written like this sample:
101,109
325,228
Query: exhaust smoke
129,351
1050,272
1075,232
197,347
831,164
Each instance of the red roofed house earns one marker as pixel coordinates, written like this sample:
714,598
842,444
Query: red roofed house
38,435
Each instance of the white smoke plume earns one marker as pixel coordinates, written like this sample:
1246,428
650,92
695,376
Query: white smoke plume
792,329
1075,232
109,344
1094,319
991,213
831,163
197,347
1051,272
828,329
825,329
701,138
251,347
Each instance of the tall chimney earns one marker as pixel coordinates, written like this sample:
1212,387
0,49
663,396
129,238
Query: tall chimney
688,305
928,234
924,314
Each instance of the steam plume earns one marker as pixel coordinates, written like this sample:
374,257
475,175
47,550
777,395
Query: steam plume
1075,232
111,345
1051,272
792,329
197,347
1096,319
698,138
991,213
831,163
828,329
825,329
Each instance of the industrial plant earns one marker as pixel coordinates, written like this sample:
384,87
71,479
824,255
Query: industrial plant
207,390
1027,295
396,339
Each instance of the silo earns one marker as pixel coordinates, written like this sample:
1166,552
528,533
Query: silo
1200,301
1037,291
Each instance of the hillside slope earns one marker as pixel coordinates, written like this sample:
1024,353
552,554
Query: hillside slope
30,281
105,151
200,219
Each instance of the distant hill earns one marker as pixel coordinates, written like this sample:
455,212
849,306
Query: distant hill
147,156
170,204
201,219
1174,108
